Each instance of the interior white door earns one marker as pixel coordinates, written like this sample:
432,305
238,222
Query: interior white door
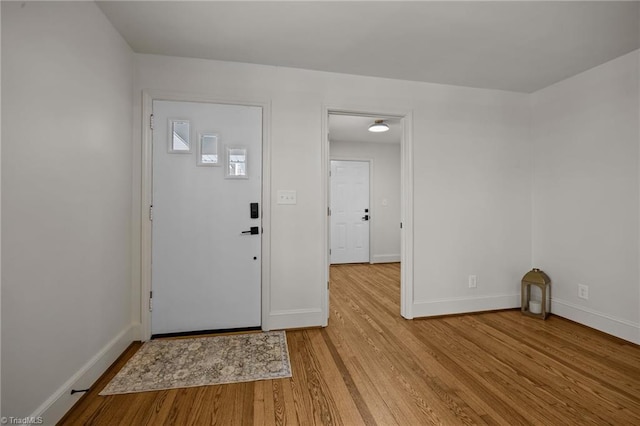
207,170
349,211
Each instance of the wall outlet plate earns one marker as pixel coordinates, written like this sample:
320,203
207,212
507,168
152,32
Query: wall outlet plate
583,291
473,281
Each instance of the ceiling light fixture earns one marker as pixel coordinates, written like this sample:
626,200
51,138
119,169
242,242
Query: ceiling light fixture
379,126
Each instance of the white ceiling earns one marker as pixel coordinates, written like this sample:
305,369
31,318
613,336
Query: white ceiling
520,45
351,128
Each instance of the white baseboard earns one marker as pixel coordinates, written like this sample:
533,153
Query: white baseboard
57,405
385,258
618,327
465,304
295,318
136,332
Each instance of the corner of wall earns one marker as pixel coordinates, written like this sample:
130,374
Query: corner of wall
637,341
600,102
57,405
532,165
0,219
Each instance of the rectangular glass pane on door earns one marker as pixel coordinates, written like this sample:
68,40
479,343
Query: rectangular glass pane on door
237,162
179,136
208,150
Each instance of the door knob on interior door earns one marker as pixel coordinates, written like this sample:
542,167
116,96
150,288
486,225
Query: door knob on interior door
365,217
253,231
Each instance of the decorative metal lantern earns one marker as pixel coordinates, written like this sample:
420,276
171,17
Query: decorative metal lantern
534,308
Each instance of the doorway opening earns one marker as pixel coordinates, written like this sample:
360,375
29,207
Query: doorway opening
368,195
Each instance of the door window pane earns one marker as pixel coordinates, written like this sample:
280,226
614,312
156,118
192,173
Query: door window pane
179,131
236,163
208,150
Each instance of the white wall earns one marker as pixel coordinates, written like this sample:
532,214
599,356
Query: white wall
472,178
66,202
586,194
385,185
473,202
0,218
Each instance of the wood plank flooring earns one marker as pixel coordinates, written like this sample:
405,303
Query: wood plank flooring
370,366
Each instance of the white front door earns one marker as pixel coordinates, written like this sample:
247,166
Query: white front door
349,211
207,172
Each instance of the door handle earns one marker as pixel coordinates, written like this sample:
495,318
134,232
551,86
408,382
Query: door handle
365,217
253,231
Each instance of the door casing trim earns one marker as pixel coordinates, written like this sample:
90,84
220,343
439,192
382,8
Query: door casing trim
148,96
406,199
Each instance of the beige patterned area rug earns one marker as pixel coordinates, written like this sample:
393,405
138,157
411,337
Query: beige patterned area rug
182,363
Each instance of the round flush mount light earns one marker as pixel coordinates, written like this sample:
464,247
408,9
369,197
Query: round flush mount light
379,126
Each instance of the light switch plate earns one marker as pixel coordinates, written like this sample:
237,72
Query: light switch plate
287,197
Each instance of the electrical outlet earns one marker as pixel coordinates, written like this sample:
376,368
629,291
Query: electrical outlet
583,291
473,281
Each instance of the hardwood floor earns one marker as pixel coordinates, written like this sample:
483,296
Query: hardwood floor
370,366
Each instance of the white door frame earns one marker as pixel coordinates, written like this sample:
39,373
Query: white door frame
148,96
371,218
406,200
